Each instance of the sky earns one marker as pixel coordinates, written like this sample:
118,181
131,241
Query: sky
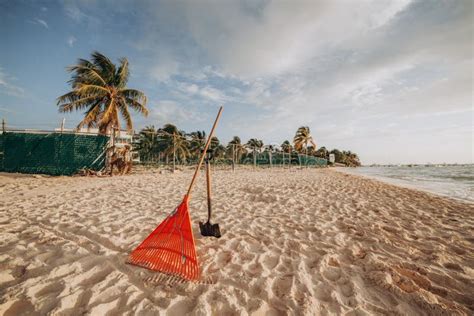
389,80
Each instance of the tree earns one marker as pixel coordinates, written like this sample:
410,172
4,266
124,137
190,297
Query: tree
322,153
255,145
198,141
218,151
174,143
99,88
338,156
286,147
147,143
235,147
303,138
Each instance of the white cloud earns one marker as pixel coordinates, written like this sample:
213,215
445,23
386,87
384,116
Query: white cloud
73,12
168,111
164,69
71,40
42,23
350,71
283,36
7,87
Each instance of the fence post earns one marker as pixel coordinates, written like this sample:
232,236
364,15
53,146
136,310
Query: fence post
306,156
254,159
62,124
233,157
174,152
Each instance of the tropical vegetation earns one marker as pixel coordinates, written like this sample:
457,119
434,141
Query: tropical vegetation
99,88
169,144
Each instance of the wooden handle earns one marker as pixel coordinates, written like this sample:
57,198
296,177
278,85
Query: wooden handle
208,182
204,153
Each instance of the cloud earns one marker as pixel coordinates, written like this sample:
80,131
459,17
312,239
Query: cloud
279,36
349,72
71,40
163,70
169,111
74,12
7,87
41,22
7,110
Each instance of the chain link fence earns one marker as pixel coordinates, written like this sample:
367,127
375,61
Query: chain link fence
263,159
52,153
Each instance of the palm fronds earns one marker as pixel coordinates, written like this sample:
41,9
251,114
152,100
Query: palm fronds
99,88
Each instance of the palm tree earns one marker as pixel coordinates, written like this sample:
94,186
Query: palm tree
198,141
286,147
147,143
255,145
235,147
322,153
99,88
302,139
270,149
174,143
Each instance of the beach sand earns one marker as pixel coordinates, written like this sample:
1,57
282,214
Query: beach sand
297,242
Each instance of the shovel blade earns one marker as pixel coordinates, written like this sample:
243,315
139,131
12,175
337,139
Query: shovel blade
208,229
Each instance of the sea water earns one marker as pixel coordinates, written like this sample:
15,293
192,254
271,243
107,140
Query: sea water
455,181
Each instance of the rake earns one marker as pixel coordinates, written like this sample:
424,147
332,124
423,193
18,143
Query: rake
170,248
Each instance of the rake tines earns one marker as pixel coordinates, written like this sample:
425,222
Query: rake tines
170,247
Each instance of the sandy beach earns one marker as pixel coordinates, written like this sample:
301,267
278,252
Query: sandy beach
295,242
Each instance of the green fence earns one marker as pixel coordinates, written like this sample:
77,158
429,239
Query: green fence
280,159
51,153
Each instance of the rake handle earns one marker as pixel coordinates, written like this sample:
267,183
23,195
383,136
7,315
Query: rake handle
204,153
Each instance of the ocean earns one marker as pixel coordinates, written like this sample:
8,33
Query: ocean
453,181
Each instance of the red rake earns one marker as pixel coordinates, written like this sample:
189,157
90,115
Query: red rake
170,248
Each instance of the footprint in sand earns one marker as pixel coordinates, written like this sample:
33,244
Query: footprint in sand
224,258
270,261
281,286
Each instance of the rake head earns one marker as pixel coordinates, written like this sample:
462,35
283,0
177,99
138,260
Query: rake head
170,247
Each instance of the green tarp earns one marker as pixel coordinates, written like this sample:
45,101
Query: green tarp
53,153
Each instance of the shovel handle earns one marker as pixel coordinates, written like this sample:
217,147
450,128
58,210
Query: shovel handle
203,153
208,182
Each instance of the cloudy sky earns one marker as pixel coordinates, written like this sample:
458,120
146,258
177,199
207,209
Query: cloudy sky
390,80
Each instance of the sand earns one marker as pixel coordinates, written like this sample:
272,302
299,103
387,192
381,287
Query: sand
296,242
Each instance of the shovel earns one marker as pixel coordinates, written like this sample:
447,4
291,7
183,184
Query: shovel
208,229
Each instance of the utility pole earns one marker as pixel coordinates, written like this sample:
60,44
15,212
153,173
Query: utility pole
3,126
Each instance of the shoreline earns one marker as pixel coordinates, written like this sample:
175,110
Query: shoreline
309,241
397,183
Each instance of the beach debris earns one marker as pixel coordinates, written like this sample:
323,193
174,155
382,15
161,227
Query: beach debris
121,159
170,248
208,229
